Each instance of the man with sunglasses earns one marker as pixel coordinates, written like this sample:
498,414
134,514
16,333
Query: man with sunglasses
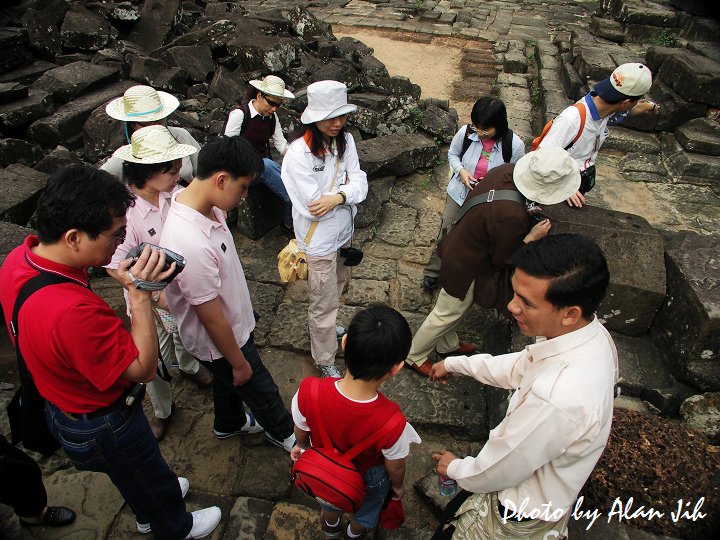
494,221
256,120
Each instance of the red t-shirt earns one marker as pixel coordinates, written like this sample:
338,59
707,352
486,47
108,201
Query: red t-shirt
72,342
350,422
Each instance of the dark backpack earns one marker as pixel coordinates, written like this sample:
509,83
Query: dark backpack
327,475
506,143
26,410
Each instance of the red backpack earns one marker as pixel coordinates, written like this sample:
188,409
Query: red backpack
539,138
327,475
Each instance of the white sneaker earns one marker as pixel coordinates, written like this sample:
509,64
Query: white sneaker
204,522
144,528
329,371
286,443
251,426
340,330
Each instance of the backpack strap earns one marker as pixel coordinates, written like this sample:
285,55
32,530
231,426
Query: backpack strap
467,141
583,115
490,196
389,426
507,141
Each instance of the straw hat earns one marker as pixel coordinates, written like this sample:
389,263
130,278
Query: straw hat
142,104
153,144
627,81
548,175
326,99
272,86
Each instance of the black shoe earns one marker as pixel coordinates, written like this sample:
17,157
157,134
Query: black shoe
55,516
430,283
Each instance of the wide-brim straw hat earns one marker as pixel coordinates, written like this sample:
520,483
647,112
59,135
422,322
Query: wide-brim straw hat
142,104
548,175
153,144
272,86
326,99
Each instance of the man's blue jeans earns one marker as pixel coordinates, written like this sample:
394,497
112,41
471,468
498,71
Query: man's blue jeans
121,445
272,179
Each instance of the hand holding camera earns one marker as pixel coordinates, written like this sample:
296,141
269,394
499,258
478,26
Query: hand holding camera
150,268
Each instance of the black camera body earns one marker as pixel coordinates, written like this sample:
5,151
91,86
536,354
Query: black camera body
170,257
353,256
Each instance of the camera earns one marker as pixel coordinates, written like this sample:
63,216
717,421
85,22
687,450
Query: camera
170,257
353,256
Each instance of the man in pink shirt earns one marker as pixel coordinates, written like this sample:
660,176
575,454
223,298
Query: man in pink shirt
210,298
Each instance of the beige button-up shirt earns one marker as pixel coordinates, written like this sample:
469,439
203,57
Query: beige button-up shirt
557,423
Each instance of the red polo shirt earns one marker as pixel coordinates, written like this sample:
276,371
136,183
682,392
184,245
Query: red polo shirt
72,342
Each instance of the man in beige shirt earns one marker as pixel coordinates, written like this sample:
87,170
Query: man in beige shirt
527,476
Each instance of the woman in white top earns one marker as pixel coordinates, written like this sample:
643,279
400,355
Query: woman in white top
321,172
151,167
142,106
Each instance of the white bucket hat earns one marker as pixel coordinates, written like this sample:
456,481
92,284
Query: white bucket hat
326,99
548,175
273,86
142,104
153,144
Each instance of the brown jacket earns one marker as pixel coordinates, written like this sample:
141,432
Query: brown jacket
481,245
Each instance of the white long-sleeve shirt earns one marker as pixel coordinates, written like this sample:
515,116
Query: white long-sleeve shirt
235,120
556,426
307,178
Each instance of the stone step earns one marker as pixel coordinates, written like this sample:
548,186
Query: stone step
11,236
396,154
693,76
700,135
67,82
20,188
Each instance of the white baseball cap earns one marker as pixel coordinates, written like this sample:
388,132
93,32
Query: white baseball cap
627,81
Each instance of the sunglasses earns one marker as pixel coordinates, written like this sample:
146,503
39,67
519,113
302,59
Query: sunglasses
271,102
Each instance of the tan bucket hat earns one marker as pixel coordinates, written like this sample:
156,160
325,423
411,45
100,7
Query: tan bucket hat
548,175
326,99
142,104
153,144
272,86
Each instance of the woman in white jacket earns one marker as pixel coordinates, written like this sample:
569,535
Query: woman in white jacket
321,172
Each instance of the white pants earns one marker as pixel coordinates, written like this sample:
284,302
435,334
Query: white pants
438,329
327,276
159,389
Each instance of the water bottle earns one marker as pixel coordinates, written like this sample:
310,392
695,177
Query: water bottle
447,486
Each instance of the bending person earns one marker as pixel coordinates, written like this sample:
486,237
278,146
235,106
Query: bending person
475,150
257,121
321,171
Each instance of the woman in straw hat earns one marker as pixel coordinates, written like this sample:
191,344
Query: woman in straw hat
151,166
321,172
142,106
257,121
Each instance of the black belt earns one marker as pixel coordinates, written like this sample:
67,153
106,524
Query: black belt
503,512
138,392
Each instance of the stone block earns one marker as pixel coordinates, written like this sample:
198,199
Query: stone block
379,103
575,87
633,250
58,157
158,74
594,62
102,135
43,32
214,34
700,135
20,188
11,236
693,76
702,413
397,225
292,521
26,73
249,517
262,53
14,48
372,67
67,82
10,91
195,60
688,322
65,125
398,86
439,123
648,14
697,169
19,151
396,154
259,212
158,19
82,29
363,292
515,61
16,114
607,28
366,120
627,140
638,167
226,86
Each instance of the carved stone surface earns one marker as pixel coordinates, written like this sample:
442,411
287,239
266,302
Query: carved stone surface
396,154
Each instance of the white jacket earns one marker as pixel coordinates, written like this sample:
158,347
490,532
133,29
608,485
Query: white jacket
307,178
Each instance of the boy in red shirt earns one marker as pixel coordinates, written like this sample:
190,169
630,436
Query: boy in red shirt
376,345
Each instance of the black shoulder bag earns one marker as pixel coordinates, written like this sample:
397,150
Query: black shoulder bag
26,410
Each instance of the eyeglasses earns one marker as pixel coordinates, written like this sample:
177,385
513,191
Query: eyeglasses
272,103
118,239
482,131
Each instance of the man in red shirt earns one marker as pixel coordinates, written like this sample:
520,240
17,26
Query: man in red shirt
82,360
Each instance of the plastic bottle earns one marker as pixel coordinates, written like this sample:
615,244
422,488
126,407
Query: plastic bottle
447,486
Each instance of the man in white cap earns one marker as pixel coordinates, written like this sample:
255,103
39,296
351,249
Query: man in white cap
257,121
582,128
495,220
528,474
